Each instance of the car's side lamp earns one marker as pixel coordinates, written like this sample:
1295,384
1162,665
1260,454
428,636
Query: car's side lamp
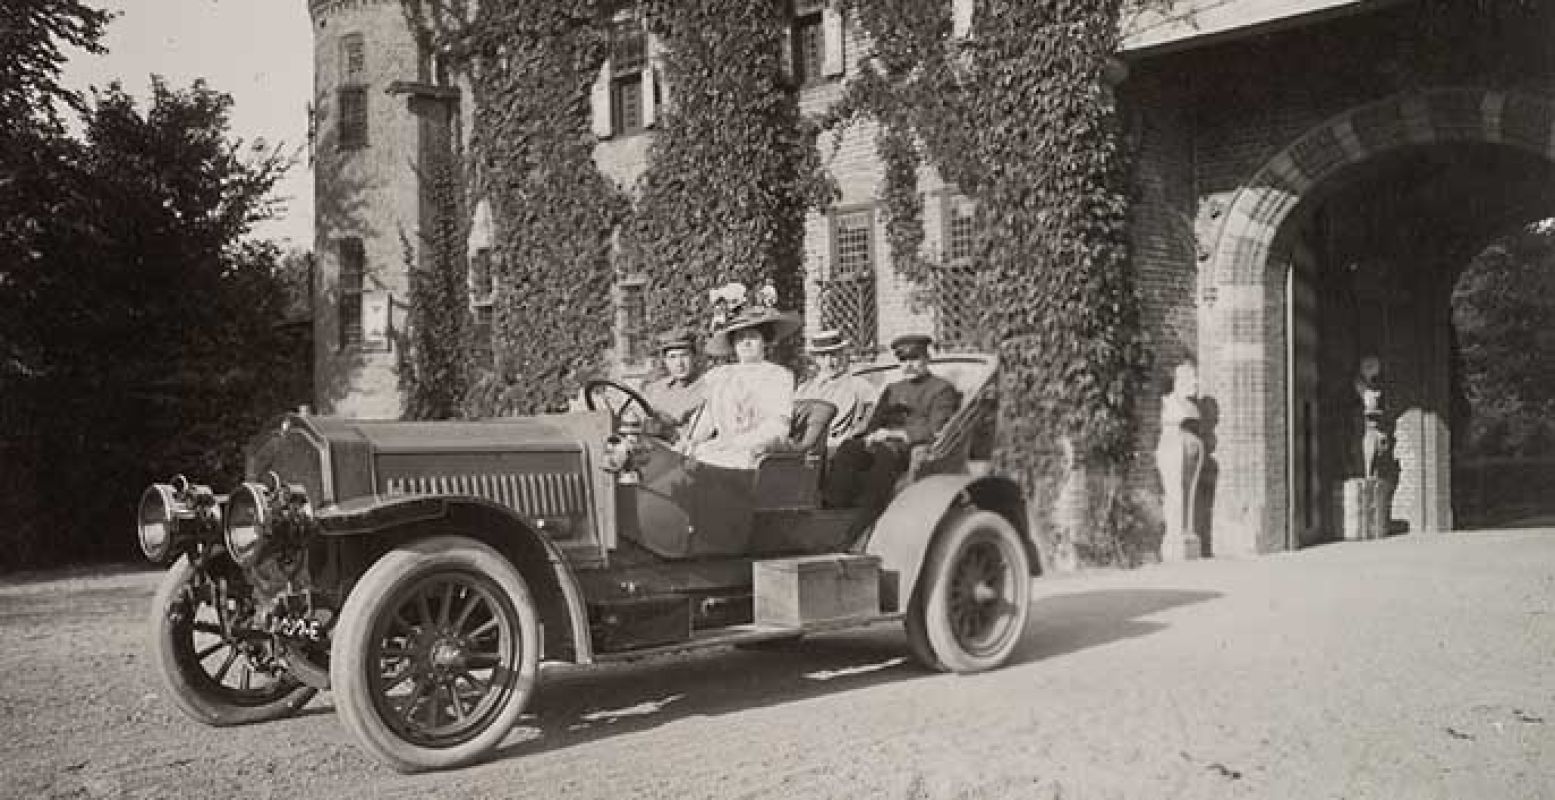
618,460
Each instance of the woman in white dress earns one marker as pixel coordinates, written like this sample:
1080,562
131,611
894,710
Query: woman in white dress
749,402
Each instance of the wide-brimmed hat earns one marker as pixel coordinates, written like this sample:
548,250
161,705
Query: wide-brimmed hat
827,341
911,345
774,325
675,339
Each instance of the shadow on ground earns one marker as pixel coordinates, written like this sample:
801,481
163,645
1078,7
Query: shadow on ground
585,705
576,706
1062,624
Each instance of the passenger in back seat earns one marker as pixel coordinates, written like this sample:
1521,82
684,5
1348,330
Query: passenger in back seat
833,383
910,412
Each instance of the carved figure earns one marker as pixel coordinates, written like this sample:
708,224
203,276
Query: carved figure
1374,440
1180,459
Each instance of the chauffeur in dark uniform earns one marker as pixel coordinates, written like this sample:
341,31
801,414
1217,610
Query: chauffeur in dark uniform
910,412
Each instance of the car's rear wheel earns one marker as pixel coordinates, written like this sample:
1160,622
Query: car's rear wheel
216,671
974,596
436,654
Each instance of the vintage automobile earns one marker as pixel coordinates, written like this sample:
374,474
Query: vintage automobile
424,571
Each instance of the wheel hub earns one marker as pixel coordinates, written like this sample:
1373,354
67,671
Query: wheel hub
446,654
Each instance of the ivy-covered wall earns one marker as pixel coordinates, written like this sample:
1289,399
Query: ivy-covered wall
733,167
1053,185
530,156
1021,117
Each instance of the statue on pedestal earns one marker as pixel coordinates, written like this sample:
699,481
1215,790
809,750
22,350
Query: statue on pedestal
1368,495
1179,457
1374,440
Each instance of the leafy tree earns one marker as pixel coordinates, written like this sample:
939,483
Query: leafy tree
31,35
143,327
33,145
1504,313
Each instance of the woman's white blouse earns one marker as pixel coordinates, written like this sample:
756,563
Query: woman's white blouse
749,407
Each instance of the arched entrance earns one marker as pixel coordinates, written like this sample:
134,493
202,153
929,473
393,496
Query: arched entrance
1345,244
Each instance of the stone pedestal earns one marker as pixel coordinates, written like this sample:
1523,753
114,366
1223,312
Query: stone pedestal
1180,459
1364,512
1181,548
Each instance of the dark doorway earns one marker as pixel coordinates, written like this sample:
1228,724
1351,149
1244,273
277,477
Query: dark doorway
1375,257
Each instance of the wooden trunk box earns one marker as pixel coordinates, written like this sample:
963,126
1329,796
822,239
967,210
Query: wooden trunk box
791,592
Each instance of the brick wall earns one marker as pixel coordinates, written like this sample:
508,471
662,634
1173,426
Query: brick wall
1157,121
1275,122
850,159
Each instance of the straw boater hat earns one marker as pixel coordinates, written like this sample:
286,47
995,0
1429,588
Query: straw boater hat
675,339
774,325
827,341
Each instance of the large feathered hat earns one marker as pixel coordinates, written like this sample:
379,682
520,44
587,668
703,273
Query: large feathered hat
735,309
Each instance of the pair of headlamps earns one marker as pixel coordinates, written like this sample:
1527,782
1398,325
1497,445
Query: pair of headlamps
174,515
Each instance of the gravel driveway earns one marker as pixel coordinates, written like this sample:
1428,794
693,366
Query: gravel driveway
1416,667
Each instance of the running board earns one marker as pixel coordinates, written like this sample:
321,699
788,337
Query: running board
747,634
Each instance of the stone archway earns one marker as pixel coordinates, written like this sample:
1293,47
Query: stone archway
1243,302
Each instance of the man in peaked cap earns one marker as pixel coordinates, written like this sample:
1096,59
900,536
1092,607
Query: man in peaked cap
910,412
833,383
677,395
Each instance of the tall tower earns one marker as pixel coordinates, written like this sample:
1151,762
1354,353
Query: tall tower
371,132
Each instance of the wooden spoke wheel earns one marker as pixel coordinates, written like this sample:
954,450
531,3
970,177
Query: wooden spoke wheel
216,670
436,654
974,597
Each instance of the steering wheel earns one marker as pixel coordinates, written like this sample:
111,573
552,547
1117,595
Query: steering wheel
596,394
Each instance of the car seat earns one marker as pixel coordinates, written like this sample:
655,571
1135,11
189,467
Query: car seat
789,476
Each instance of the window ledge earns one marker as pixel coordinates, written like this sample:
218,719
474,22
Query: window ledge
365,348
626,135
419,89
822,82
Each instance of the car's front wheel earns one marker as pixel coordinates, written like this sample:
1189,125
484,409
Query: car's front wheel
974,596
216,670
435,654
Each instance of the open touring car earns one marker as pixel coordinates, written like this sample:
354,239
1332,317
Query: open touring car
423,571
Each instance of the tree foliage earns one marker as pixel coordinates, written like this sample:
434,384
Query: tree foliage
33,34
1504,316
141,332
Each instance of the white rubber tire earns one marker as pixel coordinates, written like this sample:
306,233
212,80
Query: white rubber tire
353,657
949,628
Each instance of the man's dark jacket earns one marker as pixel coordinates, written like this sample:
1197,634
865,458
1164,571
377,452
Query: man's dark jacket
920,406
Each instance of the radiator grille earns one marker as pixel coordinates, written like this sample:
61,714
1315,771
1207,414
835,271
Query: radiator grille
544,495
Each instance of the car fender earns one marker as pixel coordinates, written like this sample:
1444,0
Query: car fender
509,532
902,536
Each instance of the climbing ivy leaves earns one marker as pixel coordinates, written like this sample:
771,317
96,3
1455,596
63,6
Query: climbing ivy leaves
733,167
